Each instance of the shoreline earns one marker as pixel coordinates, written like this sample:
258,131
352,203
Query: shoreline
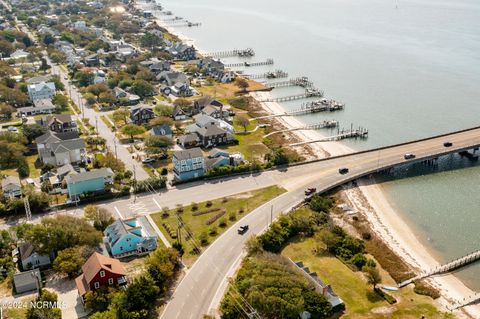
382,217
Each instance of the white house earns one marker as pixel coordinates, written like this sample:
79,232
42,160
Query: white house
11,186
30,259
43,90
60,148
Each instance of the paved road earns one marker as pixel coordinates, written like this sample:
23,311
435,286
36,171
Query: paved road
202,287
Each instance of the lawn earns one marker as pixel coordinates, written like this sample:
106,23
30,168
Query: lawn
107,122
230,208
34,171
360,301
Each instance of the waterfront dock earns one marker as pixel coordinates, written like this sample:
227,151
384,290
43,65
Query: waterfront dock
277,74
249,64
341,135
301,82
308,93
324,124
243,53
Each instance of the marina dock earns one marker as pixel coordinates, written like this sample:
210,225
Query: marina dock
308,93
277,74
301,82
324,124
243,53
249,64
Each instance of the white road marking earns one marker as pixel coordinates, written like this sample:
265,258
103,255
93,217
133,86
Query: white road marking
155,201
118,212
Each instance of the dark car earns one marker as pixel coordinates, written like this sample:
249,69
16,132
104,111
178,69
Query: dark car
343,170
242,229
310,191
408,156
447,144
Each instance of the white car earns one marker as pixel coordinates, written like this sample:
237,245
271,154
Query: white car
12,129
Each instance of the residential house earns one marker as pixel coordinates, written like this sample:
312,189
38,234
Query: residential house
80,25
27,281
130,237
162,130
122,94
60,148
59,123
209,106
178,113
88,182
56,180
181,51
213,135
202,120
176,83
30,259
141,114
99,77
43,90
19,54
38,79
188,164
218,158
42,106
189,140
91,60
100,272
215,69
11,186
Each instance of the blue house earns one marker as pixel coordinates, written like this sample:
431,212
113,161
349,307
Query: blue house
188,164
88,182
130,237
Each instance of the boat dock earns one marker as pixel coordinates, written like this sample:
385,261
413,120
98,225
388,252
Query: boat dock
189,24
308,93
301,82
277,74
243,53
342,134
173,20
324,124
249,64
452,265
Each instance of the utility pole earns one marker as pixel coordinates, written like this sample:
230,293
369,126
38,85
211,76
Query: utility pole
96,123
134,184
26,203
271,214
115,144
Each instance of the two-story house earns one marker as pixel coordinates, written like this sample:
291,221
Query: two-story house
88,182
141,114
43,90
11,186
162,130
60,148
181,51
175,83
131,236
59,123
188,164
30,259
213,135
100,272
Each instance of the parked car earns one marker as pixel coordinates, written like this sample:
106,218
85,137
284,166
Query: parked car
409,156
310,191
148,160
447,144
343,170
12,129
242,229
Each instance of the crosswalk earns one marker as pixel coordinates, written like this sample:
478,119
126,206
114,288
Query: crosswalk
137,208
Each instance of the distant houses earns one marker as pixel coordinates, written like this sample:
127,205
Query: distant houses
188,164
133,236
93,181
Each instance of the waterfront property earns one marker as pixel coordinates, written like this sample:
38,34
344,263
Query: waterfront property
133,236
100,272
93,181
188,164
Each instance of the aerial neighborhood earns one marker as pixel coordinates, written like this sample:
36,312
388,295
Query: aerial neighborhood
126,152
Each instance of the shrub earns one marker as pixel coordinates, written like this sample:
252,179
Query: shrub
164,171
194,206
358,260
203,238
241,210
232,216
225,199
212,231
208,203
179,208
222,223
366,236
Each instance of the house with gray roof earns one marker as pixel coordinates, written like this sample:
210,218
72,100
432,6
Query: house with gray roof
93,181
30,259
27,281
61,148
59,123
42,90
141,114
188,164
162,130
42,106
11,186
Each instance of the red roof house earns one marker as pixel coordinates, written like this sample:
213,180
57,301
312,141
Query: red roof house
100,271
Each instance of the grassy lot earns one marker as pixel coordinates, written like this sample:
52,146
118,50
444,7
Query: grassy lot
34,171
360,301
232,206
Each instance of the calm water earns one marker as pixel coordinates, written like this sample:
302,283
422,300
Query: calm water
404,72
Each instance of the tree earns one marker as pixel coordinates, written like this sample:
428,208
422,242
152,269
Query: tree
12,153
121,115
132,130
58,83
46,297
109,160
48,39
163,110
182,102
90,98
241,83
98,300
107,97
13,96
373,275
320,203
161,265
316,304
61,101
157,144
161,120
150,40
84,78
6,111
100,216
141,293
69,261
242,121
55,234
142,88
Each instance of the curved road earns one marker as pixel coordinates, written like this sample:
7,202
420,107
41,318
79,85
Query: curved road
202,288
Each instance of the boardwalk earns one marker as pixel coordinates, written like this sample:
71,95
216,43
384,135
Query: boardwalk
452,265
343,134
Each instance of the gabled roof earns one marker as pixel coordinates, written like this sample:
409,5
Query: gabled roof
189,138
44,103
162,130
66,169
40,86
211,130
188,154
52,137
25,250
85,176
140,108
61,118
9,181
203,120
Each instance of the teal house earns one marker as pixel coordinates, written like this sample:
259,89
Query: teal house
88,182
133,236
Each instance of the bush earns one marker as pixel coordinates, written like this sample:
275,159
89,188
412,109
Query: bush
194,206
385,296
241,210
423,288
203,238
212,231
232,216
366,236
320,203
359,260
222,223
23,170
164,171
208,203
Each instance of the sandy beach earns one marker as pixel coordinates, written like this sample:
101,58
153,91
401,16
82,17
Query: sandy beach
369,200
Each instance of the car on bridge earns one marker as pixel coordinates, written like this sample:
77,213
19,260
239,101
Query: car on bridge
343,170
310,191
447,144
242,229
409,156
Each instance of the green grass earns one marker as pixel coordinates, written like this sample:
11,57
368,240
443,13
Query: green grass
247,201
107,122
34,171
360,301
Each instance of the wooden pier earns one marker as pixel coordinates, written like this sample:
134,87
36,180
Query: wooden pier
277,74
324,124
342,134
243,53
452,265
470,300
301,82
308,93
189,24
249,64
173,20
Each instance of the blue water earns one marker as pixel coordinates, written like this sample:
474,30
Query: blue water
404,71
